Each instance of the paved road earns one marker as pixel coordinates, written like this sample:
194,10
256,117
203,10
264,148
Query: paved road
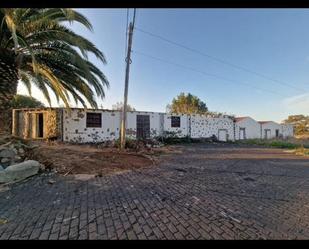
205,192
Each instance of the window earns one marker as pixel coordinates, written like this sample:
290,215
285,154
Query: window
94,119
175,121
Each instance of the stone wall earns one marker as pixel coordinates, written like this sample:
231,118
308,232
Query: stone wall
205,127
181,131
75,128
156,123
25,123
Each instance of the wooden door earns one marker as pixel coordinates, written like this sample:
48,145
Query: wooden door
142,126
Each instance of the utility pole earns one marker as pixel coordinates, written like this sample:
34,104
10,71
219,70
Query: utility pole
126,86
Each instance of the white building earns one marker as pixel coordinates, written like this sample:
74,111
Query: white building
270,129
89,126
247,128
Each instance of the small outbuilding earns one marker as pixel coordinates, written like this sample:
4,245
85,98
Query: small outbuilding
246,128
270,129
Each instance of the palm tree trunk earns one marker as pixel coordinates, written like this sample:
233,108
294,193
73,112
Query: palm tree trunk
8,88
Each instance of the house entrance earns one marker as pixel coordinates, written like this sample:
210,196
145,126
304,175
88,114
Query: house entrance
267,133
242,133
142,126
40,122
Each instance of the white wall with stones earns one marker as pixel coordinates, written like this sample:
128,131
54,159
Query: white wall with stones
156,123
76,130
71,126
205,127
181,131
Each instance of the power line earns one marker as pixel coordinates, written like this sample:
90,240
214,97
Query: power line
207,74
218,59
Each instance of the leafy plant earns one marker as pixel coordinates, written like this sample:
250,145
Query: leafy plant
38,48
23,101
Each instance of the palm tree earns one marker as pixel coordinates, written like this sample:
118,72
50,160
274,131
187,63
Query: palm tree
36,47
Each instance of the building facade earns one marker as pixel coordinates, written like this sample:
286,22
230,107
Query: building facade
78,125
247,128
204,127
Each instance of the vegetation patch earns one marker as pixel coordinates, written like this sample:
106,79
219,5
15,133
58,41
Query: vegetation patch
277,143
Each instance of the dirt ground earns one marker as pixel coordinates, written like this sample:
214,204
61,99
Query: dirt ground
89,159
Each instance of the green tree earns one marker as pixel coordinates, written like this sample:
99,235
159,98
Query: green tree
23,101
300,123
187,104
119,107
37,47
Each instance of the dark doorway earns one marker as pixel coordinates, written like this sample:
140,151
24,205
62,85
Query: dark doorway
277,133
40,125
142,126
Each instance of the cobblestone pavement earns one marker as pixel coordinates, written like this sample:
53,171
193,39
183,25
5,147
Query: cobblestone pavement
205,192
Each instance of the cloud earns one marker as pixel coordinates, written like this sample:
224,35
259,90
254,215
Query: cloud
298,103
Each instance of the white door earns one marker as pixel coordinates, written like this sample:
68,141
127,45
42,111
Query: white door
222,135
242,133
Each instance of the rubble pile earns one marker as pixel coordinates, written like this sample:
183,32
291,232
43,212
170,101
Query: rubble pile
14,164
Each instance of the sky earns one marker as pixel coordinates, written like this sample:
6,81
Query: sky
270,42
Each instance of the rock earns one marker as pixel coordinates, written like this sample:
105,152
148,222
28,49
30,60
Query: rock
42,167
21,151
1,168
10,153
5,160
19,171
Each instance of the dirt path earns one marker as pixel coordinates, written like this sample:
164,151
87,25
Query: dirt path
89,159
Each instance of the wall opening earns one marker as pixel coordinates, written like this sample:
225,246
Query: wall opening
175,122
242,133
277,132
40,125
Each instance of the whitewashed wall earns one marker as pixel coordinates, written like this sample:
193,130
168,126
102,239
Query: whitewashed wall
272,126
181,131
156,123
75,129
204,127
287,130
252,128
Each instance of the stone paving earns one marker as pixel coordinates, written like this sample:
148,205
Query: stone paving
205,192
